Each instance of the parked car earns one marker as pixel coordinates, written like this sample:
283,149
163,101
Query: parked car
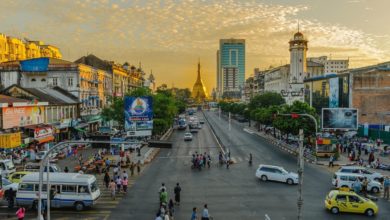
41,154
187,136
276,173
341,180
346,201
34,167
363,171
7,167
7,184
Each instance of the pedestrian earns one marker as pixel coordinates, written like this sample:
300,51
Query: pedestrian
331,161
194,215
112,187
132,166
177,191
20,213
125,182
66,170
116,169
364,186
171,208
163,197
138,167
208,161
108,164
166,216
10,196
118,182
386,187
124,175
205,213
158,217
227,162
357,186
106,179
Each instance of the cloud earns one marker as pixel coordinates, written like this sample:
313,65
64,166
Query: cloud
115,30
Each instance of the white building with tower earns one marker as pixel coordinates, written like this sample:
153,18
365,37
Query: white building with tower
298,69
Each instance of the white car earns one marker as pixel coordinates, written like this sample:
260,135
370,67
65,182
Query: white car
8,184
276,173
188,136
361,170
347,179
39,156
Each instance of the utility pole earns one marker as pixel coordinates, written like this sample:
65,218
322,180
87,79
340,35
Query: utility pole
219,113
230,121
300,174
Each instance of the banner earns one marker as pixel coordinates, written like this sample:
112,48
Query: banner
334,92
10,140
43,132
138,113
35,65
22,116
340,118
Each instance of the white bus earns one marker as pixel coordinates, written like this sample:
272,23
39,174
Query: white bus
71,190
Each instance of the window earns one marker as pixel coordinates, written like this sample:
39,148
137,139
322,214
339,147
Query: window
55,82
343,178
341,198
352,178
353,199
83,189
43,80
70,82
33,80
94,187
26,187
68,189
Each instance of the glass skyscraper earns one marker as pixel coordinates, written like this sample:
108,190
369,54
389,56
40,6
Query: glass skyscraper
231,54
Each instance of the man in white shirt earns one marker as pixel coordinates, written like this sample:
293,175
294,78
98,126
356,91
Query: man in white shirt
205,213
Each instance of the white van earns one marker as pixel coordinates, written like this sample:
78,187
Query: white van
363,171
34,167
7,167
71,190
347,179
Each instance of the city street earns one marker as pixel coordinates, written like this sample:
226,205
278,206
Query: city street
230,193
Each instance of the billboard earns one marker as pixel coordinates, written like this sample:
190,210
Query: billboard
340,118
334,92
22,116
138,113
35,65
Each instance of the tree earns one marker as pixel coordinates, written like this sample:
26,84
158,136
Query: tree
115,111
265,100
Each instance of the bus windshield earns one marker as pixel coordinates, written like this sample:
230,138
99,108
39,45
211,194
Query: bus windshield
94,186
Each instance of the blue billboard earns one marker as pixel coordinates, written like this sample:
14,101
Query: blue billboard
35,65
138,113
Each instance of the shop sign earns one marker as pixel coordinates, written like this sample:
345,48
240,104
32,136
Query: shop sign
10,140
22,116
42,132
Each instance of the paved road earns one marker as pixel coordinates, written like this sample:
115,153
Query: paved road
233,193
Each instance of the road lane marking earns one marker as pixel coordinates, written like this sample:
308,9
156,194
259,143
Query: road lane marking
249,131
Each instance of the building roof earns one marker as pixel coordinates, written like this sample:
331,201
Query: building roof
10,99
54,96
310,63
94,61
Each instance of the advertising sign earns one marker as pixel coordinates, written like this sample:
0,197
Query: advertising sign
22,116
35,65
143,133
340,118
43,132
10,140
334,92
138,113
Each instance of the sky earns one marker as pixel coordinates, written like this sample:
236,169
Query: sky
168,37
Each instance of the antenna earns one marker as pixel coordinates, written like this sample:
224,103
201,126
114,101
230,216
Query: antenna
298,25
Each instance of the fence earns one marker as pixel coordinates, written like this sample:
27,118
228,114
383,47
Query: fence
375,134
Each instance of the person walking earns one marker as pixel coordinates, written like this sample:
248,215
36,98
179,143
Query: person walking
163,197
132,166
331,161
386,187
124,175
177,191
20,213
125,182
357,186
364,188
138,167
66,170
205,213
171,208
106,179
10,197
194,216
118,182
112,187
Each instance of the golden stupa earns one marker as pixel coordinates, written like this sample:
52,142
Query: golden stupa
199,93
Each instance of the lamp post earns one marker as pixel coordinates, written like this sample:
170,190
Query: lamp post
301,160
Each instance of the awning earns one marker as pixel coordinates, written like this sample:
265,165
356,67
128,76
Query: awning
80,129
45,139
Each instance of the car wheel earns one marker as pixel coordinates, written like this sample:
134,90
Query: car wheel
79,206
334,210
264,178
375,190
370,212
290,181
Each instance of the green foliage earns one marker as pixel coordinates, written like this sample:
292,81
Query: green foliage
115,111
266,100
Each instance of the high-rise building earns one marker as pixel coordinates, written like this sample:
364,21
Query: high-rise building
231,56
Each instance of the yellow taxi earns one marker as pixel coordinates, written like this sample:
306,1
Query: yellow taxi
345,200
17,176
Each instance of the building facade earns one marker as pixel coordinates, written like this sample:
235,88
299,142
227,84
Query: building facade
230,58
331,66
16,49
